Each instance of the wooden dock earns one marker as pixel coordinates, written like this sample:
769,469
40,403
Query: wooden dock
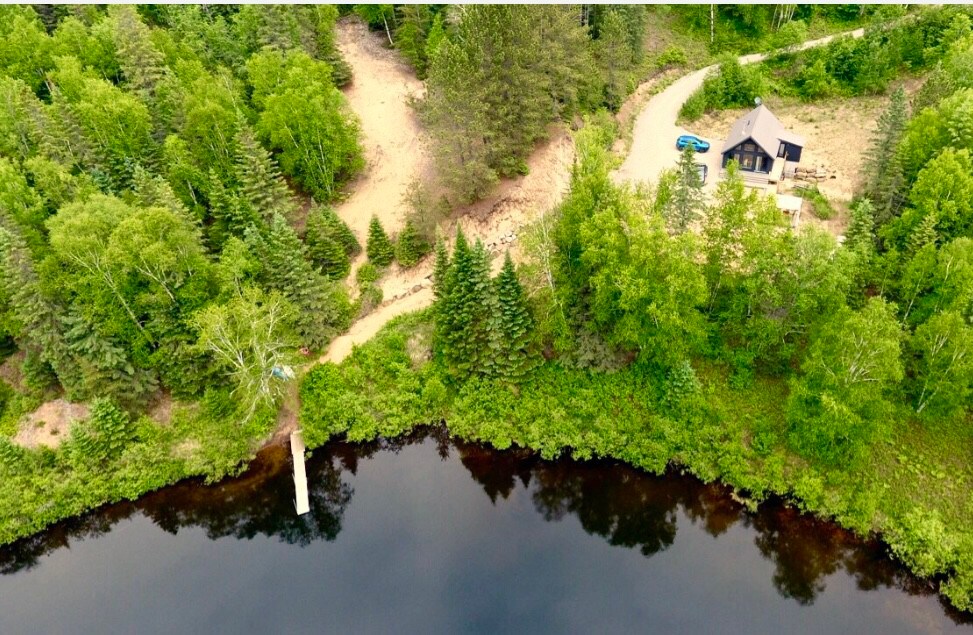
301,501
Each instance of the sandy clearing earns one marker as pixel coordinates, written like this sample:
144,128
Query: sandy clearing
50,424
394,144
653,147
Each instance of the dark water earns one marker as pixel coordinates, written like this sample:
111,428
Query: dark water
427,536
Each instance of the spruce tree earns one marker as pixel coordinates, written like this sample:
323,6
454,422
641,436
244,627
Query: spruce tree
379,247
323,306
516,325
686,201
409,246
323,236
467,331
231,215
261,184
41,330
883,168
924,234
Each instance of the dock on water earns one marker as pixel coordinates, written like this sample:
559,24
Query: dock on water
301,502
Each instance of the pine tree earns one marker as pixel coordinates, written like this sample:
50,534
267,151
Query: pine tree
323,306
155,191
516,325
686,201
882,165
342,232
379,247
324,243
260,181
410,37
409,246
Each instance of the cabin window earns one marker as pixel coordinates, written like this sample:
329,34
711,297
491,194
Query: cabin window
749,147
783,149
736,157
760,163
747,162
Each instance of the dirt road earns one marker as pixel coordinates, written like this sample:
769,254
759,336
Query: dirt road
653,146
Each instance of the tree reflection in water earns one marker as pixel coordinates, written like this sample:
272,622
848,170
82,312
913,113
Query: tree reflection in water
622,505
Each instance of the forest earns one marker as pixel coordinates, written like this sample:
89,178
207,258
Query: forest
168,235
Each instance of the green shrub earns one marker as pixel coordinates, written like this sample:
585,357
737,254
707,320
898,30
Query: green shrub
673,55
921,541
695,106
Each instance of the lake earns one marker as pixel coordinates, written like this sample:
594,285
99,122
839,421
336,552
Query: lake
428,535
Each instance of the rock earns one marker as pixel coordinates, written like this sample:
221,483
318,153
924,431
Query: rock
416,289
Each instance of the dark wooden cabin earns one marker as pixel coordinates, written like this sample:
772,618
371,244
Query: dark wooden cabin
758,140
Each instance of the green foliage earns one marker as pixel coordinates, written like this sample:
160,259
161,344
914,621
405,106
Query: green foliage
302,113
378,248
409,246
923,543
731,85
823,208
838,406
323,306
490,98
330,242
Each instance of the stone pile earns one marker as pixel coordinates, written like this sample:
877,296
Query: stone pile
811,175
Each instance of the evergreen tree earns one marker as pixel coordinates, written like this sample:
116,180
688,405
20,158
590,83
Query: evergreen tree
686,199
467,329
516,326
410,37
440,272
326,237
323,306
142,64
409,246
614,58
260,181
40,329
882,166
231,215
379,247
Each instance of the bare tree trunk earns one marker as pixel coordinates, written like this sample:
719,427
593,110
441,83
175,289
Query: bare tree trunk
387,32
712,23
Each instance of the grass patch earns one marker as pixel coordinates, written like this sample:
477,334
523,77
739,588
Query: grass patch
821,207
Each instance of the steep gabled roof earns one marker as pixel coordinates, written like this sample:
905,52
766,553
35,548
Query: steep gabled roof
764,128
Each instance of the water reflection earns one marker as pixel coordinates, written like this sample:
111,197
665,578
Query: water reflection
621,505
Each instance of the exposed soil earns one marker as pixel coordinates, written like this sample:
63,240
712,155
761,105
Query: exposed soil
837,133
397,154
50,424
395,148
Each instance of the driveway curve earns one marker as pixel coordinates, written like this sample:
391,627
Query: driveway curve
654,136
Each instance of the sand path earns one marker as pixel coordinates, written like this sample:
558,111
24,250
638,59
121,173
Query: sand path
396,153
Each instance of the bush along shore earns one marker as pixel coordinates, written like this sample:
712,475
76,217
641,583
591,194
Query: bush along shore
717,431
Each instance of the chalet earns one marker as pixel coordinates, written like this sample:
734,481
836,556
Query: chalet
761,145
